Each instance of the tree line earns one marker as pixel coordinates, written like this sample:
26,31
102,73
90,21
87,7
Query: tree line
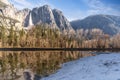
43,36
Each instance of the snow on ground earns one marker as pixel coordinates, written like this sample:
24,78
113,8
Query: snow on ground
100,67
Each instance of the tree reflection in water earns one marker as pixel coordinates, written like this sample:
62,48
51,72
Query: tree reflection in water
41,63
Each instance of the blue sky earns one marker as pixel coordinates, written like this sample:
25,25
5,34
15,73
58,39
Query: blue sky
74,9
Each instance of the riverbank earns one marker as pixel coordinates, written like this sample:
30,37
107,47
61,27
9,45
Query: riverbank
100,67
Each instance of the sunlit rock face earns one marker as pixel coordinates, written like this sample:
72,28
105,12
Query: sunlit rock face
5,1
39,15
21,16
9,10
13,15
54,18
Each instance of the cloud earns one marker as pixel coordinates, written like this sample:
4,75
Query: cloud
94,7
98,7
95,4
44,2
75,16
20,4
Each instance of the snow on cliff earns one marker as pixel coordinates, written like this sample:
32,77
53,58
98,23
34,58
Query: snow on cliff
100,67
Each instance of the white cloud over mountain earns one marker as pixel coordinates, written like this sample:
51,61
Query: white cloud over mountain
98,7
93,7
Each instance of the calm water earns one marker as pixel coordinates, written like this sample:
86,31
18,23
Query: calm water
18,65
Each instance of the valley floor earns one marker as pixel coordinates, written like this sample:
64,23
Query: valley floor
100,67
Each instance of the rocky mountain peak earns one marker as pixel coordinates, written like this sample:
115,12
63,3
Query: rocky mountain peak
61,21
46,15
58,11
46,6
39,15
5,1
24,10
109,24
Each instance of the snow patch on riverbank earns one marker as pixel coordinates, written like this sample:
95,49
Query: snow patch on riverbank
100,67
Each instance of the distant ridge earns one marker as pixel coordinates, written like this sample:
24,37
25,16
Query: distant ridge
109,24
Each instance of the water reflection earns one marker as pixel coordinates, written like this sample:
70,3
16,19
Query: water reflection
21,65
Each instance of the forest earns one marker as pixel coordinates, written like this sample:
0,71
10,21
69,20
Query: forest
44,63
43,36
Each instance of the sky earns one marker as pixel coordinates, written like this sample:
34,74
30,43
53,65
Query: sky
74,9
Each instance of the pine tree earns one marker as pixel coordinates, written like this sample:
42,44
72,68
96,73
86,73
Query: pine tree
11,36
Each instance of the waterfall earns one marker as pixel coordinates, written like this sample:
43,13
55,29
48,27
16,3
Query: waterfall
30,20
